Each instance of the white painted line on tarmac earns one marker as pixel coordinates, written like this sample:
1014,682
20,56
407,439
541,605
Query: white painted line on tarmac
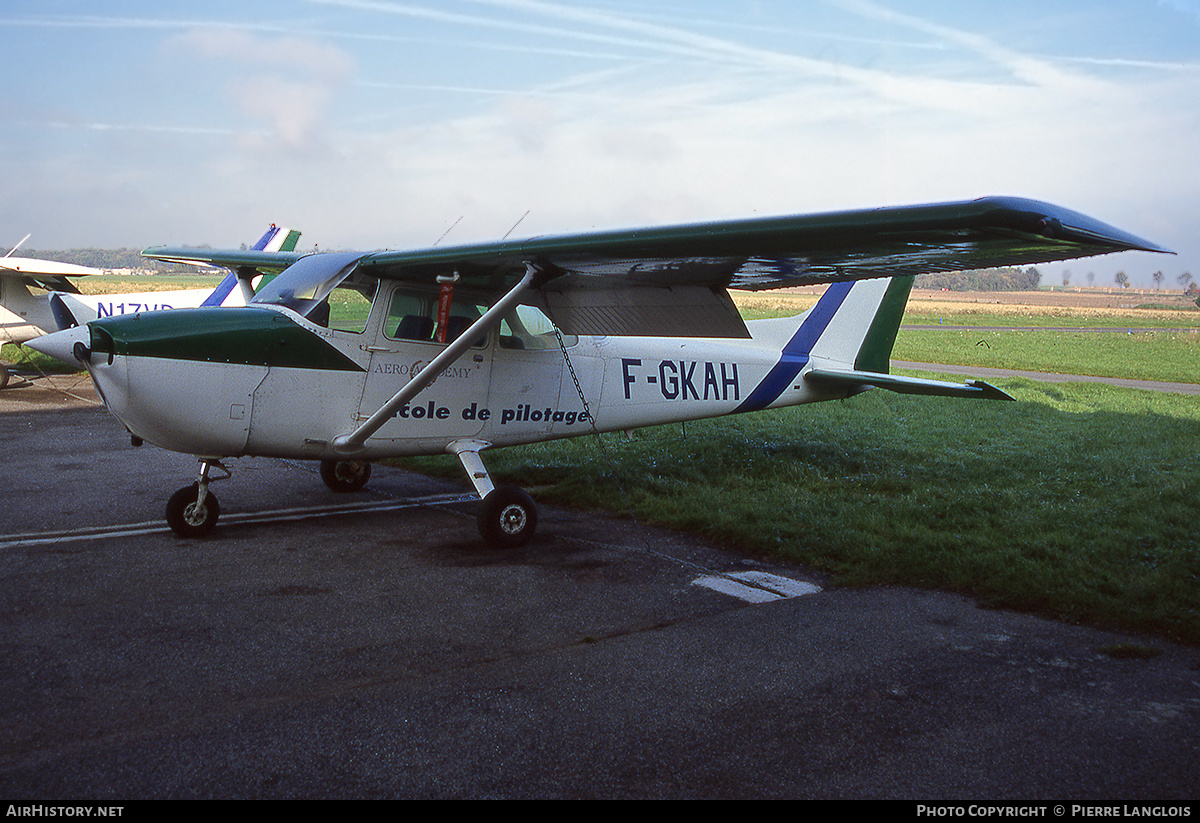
756,587
16,541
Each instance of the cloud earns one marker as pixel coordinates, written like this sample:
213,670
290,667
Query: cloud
287,81
619,114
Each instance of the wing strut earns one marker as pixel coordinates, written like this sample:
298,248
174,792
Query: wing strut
350,443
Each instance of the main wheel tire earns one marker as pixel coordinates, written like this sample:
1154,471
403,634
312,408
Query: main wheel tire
3,376
189,519
507,517
345,475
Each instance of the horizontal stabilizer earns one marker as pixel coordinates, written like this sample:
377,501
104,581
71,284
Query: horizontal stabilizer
905,385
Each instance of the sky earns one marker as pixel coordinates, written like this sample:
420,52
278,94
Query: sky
371,124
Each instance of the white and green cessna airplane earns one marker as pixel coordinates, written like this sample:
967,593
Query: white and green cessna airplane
346,358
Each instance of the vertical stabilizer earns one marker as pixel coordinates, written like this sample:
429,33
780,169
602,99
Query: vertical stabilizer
851,328
275,239
854,350
862,325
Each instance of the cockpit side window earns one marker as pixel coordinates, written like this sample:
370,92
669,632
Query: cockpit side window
409,317
413,315
347,308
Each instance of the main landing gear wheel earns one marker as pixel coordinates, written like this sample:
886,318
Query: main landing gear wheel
507,517
187,516
3,376
345,475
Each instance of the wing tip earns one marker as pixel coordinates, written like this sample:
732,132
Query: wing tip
1058,222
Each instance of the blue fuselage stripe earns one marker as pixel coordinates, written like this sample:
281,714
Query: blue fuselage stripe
794,356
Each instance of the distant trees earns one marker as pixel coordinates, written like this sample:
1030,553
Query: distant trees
106,259
1158,278
1006,279
1122,279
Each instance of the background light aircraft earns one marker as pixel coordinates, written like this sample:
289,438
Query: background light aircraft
72,309
346,358
25,315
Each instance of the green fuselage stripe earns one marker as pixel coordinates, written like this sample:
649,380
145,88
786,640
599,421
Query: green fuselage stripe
246,336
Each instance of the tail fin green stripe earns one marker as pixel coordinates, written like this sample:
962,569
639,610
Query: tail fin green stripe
875,354
289,243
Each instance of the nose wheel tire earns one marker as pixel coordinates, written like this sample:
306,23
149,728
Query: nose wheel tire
187,517
507,517
345,475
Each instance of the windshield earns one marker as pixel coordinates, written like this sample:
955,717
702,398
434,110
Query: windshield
304,284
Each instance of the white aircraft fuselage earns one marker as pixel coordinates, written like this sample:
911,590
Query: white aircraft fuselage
496,393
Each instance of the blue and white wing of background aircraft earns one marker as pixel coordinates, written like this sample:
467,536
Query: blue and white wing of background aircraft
72,309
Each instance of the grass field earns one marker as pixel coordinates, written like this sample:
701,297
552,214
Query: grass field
125,284
1022,336
1166,356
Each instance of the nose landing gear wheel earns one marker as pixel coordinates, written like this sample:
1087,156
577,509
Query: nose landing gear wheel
187,516
507,517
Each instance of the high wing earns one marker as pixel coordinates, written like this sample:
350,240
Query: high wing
672,280
273,253
45,274
275,239
264,262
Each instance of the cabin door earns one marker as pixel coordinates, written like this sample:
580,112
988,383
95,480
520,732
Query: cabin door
411,336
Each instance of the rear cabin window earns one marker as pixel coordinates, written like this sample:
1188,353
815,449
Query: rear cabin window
526,327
